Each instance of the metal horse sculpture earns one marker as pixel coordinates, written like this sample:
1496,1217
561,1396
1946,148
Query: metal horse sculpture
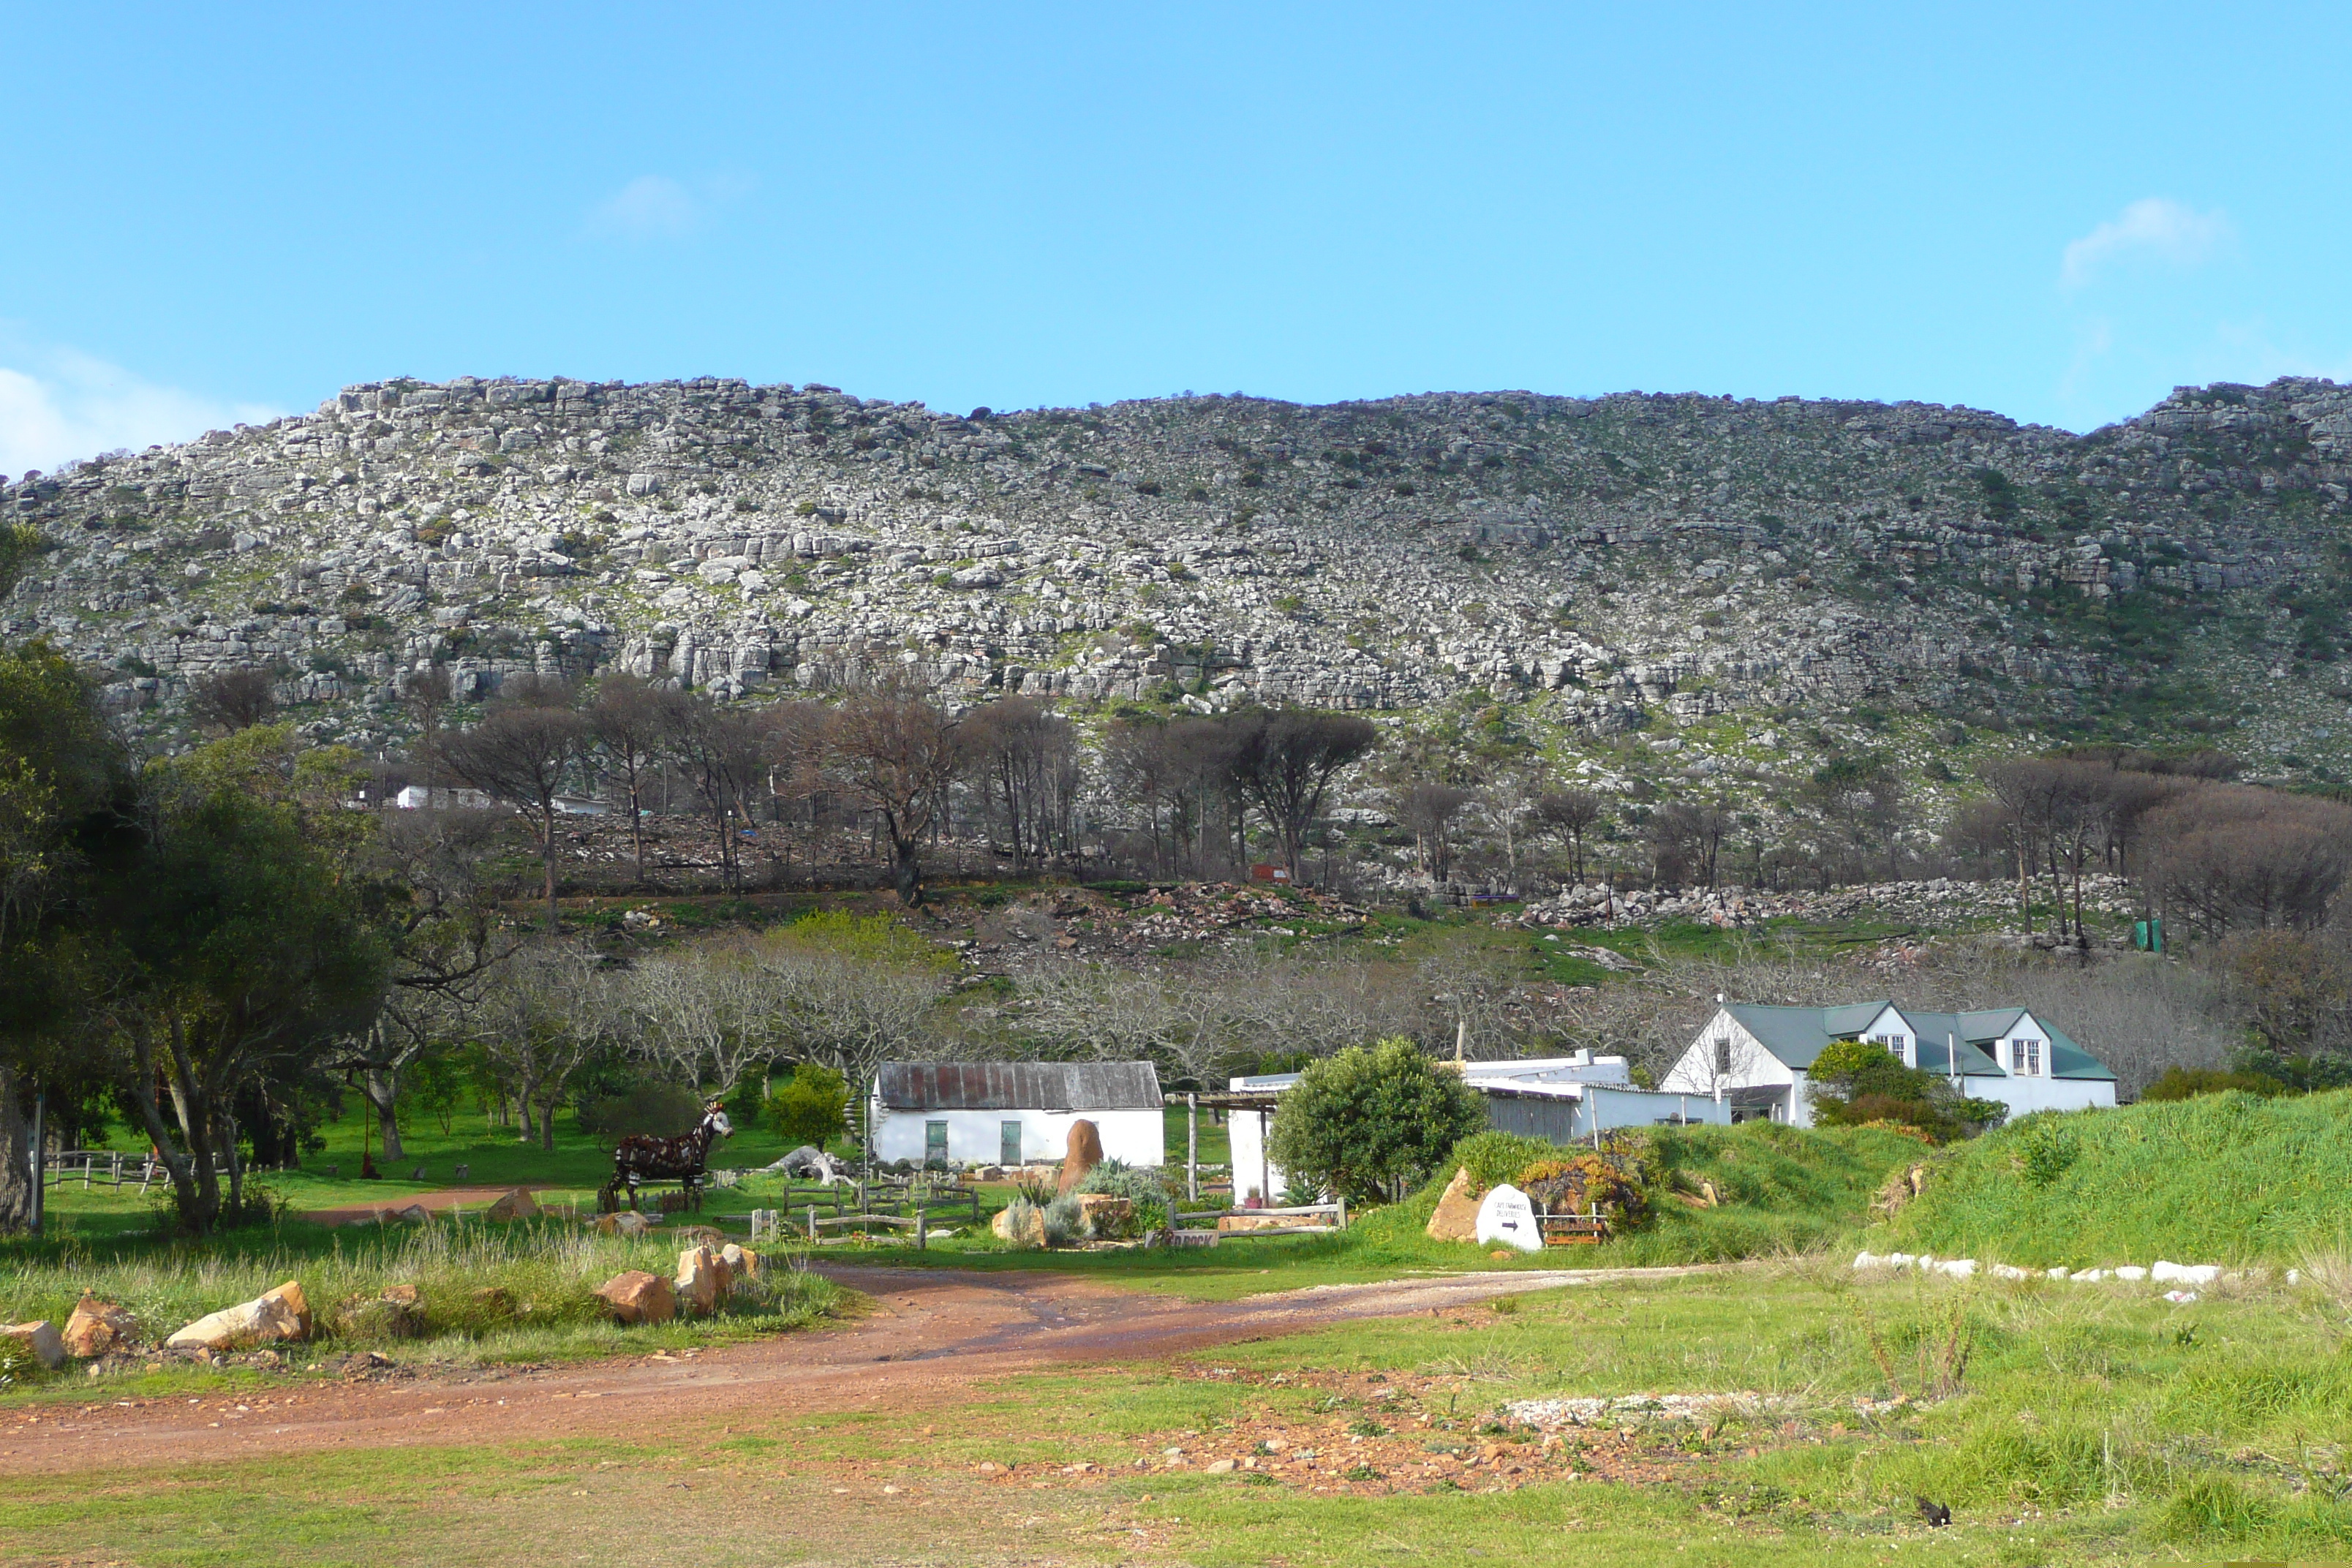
683,1159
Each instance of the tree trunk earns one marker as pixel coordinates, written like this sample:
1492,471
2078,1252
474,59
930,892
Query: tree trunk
522,1104
905,870
547,1120
380,1086
546,857
16,1191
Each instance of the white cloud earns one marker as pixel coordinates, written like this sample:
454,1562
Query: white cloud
655,207
651,206
2154,225
60,404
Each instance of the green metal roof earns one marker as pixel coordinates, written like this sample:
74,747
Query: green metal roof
1795,1035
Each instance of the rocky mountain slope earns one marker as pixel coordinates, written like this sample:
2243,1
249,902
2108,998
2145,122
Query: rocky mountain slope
1617,563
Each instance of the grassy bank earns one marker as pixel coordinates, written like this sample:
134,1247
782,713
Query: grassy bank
2225,1178
486,1292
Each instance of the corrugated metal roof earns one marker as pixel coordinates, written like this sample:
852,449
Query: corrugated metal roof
1019,1086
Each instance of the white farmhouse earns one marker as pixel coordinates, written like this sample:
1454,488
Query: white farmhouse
1015,1114
1755,1060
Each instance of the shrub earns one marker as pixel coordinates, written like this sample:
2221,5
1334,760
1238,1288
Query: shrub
1855,1082
2187,1083
1368,1121
1066,1222
658,1110
1494,1158
1142,1189
1021,1223
812,1106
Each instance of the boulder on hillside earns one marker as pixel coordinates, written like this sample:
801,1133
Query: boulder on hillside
742,1262
1456,1218
515,1205
40,1340
637,1296
1086,1152
280,1314
97,1327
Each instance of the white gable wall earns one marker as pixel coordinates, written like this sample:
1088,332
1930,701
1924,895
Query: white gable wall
1725,1057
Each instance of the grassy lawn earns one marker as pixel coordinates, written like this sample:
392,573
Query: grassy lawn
2075,1427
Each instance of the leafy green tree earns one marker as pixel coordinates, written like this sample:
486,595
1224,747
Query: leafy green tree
1373,1120
65,792
1854,1081
812,1107
235,949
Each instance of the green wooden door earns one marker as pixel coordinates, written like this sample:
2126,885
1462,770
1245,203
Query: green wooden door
1011,1138
935,1143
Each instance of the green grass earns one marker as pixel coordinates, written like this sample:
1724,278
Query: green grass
2224,1178
544,1274
2086,1427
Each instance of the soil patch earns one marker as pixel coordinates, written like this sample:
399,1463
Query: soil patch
932,1337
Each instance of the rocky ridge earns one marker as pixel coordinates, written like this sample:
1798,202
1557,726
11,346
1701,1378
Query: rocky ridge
1619,560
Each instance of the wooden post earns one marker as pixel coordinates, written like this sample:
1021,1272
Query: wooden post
1343,1211
1192,1147
921,1241
812,1222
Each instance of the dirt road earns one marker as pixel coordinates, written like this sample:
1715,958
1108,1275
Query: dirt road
934,1336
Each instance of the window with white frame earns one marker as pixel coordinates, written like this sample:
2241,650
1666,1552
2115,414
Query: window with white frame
2025,1055
1723,1053
1894,1044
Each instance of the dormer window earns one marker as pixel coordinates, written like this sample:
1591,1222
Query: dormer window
1896,1044
2025,1057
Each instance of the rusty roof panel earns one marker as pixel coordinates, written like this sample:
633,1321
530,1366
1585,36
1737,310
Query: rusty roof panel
1019,1086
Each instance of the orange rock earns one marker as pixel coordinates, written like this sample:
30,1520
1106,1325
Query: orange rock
1456,1218
637,1296
1086,1154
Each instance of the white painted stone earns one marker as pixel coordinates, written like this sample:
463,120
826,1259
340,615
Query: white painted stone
1505,1216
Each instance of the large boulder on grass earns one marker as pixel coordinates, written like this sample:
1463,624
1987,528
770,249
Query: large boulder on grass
98,1328
1456,1218
1086,1152
40,1340
515,1205
627,1222
742,1264
280,1314
637,1296
702,1278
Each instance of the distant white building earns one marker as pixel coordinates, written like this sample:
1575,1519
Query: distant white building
1015,1114
440,797
1561,1098
1757,1061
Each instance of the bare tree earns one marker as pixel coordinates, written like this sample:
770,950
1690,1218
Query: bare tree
896,752
234,698
426,694
1024,757
547,1010
520,754
1568,815
633,719
1428,810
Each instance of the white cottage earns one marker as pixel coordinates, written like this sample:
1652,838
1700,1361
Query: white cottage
1015,1114
1755,1060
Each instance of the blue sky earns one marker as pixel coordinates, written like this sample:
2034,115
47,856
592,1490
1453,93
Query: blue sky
216,211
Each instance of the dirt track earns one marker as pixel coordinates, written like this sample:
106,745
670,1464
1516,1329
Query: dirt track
934,1334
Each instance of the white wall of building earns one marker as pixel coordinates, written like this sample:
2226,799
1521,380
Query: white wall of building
2023,1096
976,1137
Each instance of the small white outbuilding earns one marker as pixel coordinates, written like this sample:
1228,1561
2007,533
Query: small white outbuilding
1015,1114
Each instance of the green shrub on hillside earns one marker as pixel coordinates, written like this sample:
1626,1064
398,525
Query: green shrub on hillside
2220,1178
2187,1083
1856,1082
